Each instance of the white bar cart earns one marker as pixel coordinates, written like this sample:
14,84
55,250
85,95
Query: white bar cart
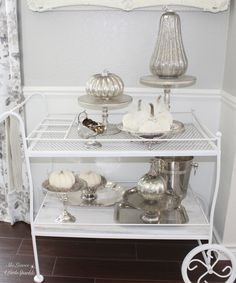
56,136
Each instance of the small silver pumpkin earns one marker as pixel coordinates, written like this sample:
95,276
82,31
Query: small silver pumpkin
105,85
152,186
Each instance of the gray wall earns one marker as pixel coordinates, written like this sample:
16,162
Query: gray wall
226,209
230,66
65,48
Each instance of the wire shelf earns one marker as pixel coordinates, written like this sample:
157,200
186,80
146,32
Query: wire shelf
58,136
100,222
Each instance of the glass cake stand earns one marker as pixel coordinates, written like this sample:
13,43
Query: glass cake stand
105,105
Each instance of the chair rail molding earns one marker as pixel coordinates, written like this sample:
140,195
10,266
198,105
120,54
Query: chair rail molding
129,5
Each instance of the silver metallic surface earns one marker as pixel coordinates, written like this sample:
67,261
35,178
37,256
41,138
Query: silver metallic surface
105,85
169,58
89,193
107,195
65,216
154,81
84,120
78,185
174,216
96,103
177,169
152,185
152,210
126,214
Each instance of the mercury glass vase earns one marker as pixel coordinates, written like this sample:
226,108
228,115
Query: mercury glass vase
169,59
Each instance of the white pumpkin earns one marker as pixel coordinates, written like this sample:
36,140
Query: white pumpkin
165,120
166,115
130,123
62,179
93,179
150,126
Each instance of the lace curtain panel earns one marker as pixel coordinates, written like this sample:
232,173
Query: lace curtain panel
14,188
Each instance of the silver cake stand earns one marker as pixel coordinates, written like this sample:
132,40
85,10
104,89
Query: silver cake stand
167,84
65,216
105,105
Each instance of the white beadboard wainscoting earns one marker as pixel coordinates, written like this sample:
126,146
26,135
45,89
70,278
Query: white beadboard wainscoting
226,209
205,102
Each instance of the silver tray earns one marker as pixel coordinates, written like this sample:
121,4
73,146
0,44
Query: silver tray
134,199
124,214
110,194
176,128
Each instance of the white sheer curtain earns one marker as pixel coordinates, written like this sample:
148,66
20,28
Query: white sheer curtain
14,188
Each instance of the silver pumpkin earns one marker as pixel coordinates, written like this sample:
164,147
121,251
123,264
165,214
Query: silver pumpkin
105,85
152,186
169,59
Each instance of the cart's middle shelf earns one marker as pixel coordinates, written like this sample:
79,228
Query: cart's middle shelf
57,136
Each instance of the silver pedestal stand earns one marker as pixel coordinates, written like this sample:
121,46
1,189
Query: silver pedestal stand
65,216
105,105
167,84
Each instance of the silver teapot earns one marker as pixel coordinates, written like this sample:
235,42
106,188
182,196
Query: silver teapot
153,185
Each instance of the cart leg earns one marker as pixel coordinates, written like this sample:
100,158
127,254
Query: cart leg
38,278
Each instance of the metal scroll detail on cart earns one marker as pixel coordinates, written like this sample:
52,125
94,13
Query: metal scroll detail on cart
128,5
210,260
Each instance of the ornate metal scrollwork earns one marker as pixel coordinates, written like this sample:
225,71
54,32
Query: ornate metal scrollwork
212,255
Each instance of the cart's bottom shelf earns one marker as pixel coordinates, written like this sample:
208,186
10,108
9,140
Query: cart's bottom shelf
99,222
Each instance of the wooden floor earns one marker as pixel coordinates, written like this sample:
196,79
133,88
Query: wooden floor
89,260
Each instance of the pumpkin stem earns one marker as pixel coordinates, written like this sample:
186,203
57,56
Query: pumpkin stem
139,104
105,73
151,110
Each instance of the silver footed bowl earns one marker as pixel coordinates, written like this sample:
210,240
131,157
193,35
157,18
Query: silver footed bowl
176,128
78,185
89,193
62,193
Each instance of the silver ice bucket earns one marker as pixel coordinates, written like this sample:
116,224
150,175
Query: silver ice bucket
178,170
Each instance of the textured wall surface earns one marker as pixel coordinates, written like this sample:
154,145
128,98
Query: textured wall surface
230,66
65,48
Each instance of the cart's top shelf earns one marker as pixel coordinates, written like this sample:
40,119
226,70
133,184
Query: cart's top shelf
57,136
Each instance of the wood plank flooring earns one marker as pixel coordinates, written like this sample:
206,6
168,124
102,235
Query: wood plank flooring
90,260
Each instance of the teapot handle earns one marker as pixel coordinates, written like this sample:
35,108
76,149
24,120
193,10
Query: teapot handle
82,116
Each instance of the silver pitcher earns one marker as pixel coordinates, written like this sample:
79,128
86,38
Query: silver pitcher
177,170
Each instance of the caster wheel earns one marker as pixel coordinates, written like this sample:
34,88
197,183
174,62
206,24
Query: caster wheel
38,278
